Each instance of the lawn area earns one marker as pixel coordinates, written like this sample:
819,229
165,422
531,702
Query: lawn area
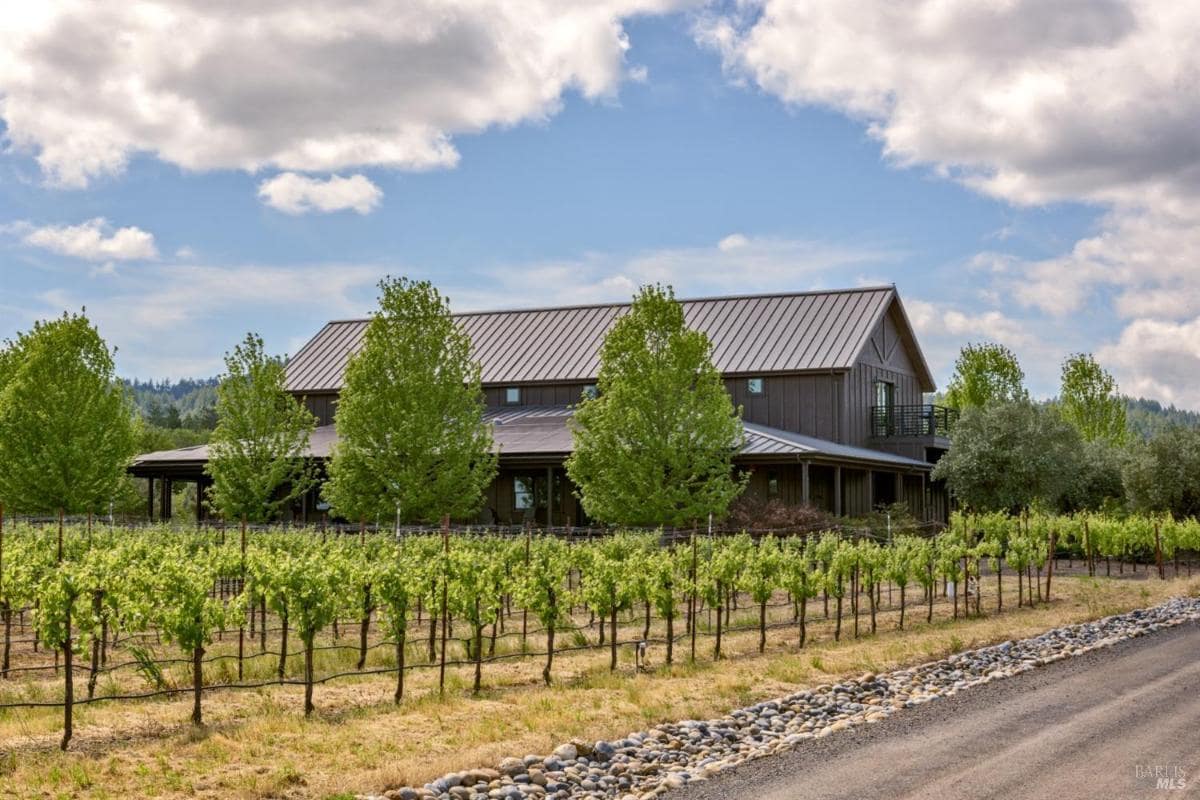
257,743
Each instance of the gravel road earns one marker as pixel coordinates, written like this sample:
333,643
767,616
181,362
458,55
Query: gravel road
1089,727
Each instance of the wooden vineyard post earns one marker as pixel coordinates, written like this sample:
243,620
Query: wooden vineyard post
241,623
1158,551
1050,564
525,611
692,596
1087,549
445,602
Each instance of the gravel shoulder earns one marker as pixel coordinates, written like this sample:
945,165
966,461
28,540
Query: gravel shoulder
1076,728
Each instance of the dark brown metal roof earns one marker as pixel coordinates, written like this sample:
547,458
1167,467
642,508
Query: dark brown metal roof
528,431
778,333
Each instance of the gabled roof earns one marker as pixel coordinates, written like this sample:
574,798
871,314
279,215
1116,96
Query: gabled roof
545,432
750,334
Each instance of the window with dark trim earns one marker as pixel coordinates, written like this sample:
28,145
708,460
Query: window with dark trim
755,386
590,392
885,394
772,484
512,395
523,494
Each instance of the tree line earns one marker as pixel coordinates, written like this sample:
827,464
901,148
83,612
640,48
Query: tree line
1073,453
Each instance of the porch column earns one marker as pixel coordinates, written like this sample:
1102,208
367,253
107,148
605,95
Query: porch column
164,508
549,498
150,499
899,487
924,500
837,491
804,485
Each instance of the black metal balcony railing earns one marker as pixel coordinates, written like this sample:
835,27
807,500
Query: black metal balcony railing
922,420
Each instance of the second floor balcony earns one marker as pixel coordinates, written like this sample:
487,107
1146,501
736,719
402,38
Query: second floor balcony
918,420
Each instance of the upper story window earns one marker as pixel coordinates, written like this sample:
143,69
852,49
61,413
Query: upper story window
885,394
754,386
512,395
590,392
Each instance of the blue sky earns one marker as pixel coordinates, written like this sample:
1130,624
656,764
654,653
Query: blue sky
691,145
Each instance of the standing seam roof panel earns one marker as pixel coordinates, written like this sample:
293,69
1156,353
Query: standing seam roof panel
804,339
807,331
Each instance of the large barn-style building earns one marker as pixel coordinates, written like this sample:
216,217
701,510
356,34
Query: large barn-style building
831,384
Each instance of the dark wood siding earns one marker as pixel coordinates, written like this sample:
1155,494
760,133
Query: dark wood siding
885,358
322,406
541,394
806,404
500,500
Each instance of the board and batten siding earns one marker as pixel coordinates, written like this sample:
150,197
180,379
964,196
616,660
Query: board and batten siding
539,394
805,404
885,358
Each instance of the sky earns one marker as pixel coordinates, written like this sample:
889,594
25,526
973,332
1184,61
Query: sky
1025,173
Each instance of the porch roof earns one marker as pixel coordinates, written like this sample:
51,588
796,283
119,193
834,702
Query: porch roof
532,432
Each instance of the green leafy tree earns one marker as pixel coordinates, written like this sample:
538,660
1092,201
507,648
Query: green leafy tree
412,439
1164,473
1091,401
257,451
1006,456
66,423
655,445
985,374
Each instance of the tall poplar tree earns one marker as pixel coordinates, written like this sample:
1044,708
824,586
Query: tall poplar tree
655,445
985,374
1090,400
66,423
256,455
412,440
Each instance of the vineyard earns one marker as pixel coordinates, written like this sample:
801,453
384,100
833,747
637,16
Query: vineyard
119,614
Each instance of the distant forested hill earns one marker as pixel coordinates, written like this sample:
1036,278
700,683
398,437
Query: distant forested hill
1148,417
189,403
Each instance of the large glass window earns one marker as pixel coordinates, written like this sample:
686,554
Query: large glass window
885,394
754,385
523,495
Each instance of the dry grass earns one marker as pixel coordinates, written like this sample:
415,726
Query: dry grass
258,745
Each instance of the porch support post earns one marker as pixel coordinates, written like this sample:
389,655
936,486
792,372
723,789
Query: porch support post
837,491
150,499
805,494
549,498
164,509
924,500
899,487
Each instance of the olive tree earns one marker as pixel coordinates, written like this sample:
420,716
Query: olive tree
1006,456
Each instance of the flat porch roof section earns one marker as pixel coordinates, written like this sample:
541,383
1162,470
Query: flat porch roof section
539,433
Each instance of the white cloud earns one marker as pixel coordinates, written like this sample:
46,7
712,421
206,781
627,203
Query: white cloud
297,194
751,264
732,242
1029,102
1158,359
175,320
94,240
313,87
